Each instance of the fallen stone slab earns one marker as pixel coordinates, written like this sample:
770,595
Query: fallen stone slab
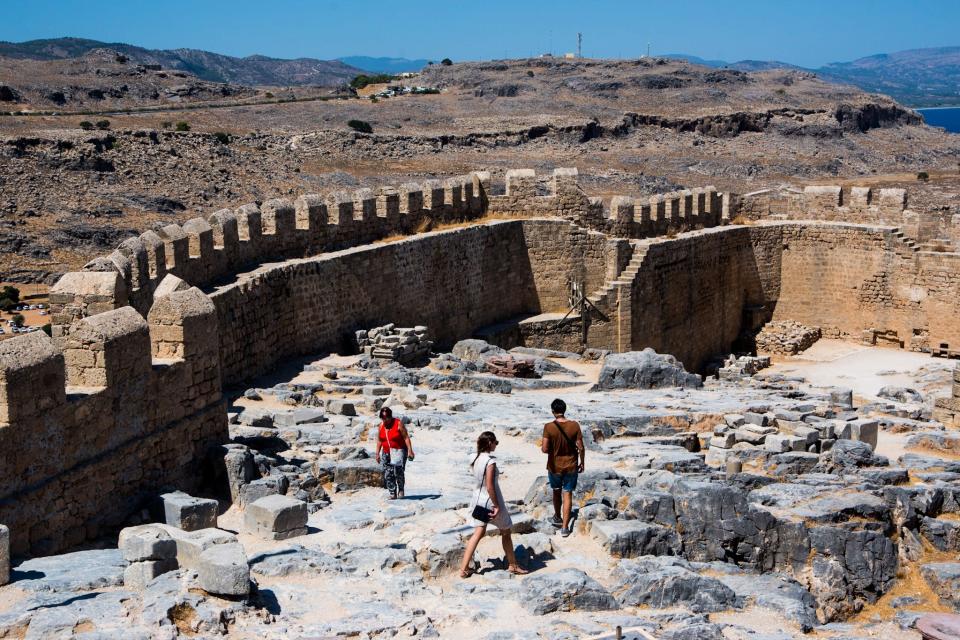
276,517
342,407
262,487
223,570
186,512
659,583
295,559
565,590
77,571
299,416
645,369
632,538
355,474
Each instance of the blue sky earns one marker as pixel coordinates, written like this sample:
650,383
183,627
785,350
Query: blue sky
805,32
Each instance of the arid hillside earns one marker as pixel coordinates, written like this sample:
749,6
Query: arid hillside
635,127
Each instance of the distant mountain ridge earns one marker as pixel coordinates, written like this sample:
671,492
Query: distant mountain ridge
252,70
916,77
384,65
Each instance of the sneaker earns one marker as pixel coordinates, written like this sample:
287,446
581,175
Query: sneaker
565,533
557,522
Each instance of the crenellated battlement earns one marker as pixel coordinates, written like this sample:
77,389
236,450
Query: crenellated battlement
105,414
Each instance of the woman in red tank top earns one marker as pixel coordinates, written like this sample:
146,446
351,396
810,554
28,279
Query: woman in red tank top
393,450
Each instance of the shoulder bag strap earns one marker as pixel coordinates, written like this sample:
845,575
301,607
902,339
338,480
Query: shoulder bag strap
564,434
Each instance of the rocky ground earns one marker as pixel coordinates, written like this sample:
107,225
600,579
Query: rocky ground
833,528
631,127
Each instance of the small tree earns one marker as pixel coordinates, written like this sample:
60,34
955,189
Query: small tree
6,304
183,126
360,125
18,320
86,125
10,292
923,176
221,137
103,125
446,62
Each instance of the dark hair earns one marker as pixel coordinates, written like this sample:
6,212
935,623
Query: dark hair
485,444
559,407
385,413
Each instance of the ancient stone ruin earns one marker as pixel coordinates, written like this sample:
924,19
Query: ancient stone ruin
134,400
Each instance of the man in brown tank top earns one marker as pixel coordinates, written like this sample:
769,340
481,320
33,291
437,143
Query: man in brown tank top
563,443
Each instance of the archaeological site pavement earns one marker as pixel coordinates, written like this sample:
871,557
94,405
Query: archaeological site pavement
190,452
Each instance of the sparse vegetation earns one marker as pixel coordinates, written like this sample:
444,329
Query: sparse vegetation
7,305
166,124
923,176
10,292
103,125
18,320
362,80
86,125
360,125
530,73
446,62
183,126
222,137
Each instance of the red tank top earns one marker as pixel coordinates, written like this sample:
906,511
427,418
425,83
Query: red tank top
391,438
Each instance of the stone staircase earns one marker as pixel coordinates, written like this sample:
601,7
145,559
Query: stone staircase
603,296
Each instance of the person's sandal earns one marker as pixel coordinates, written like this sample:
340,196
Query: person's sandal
517,570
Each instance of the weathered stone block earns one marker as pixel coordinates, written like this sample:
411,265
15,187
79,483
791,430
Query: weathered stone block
188,513
138,574
277,517
864,430
223,569
146,542
354,474
341,407
632,538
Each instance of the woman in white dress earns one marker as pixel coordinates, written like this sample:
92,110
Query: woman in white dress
487,495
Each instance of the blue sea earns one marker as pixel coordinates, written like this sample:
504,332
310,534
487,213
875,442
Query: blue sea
946,117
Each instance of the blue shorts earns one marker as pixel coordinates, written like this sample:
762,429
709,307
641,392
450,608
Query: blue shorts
563,481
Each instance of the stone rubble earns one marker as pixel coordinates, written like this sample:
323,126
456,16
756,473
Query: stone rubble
786,337
389,342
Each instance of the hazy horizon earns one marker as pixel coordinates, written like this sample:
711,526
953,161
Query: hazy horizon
820,33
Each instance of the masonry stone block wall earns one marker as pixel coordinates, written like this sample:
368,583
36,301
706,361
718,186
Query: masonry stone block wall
94,425
451,281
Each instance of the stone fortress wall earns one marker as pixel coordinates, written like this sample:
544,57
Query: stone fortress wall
934,230
127,394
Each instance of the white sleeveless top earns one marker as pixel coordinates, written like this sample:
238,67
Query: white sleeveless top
482,497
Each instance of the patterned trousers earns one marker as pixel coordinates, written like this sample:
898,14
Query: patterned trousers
393,476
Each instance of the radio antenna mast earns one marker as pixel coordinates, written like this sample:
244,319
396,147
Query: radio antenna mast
579,45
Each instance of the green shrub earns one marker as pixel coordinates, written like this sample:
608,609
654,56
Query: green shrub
446,62
103,125
183,126
268,94
923,176
529,74
362,80
86,125
18,319
10,292
360,125
221,137
6,304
